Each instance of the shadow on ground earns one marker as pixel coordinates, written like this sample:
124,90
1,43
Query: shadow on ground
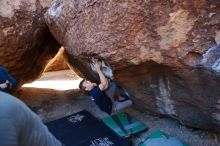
52,104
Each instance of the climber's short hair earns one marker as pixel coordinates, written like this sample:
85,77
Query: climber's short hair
81,85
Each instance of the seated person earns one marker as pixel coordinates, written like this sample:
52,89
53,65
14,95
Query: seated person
19,126
106,101
7,82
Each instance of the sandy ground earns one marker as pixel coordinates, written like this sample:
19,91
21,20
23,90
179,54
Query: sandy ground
55,103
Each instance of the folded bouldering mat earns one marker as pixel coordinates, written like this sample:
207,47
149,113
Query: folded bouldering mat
124,125
159,138
83,129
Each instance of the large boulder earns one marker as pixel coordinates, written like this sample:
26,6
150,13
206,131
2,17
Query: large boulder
26,44
163,51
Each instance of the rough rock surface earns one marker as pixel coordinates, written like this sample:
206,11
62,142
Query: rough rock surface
58,62
26,44
164,52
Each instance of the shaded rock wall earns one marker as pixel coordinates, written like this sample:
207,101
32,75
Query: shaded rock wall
26,44
165,52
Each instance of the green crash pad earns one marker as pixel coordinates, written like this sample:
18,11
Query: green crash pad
124,125
159,138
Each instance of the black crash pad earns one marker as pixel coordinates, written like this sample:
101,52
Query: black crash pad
83,129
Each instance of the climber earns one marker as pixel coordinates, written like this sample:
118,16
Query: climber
106,95
19,126
7,82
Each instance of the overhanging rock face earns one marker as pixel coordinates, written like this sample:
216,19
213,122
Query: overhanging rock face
26,44
163,51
